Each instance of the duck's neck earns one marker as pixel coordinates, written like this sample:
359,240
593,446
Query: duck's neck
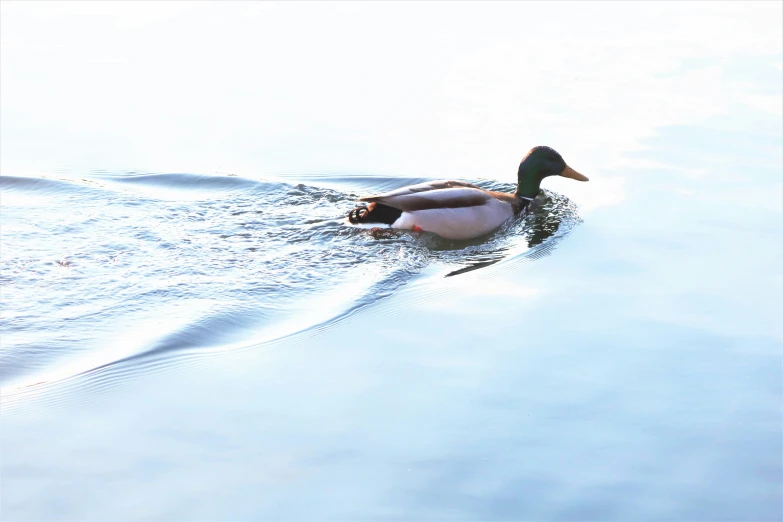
528,187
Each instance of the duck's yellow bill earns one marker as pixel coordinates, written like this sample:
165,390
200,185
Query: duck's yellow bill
568,172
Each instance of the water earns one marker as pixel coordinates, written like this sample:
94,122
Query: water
191,331
207,261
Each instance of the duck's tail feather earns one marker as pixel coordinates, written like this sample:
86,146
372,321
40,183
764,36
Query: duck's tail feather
374,213
357,215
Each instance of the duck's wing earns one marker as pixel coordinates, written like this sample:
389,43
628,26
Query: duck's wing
458,197
418,188
433,195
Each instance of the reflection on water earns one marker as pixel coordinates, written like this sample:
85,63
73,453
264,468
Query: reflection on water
548,216
230,258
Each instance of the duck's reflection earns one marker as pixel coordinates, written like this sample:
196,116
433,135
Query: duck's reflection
474,266
541,226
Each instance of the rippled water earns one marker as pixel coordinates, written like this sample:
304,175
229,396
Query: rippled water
193,262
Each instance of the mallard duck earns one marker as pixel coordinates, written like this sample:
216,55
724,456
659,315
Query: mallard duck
459,210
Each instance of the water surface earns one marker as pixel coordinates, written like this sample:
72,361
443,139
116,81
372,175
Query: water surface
116,268
191,331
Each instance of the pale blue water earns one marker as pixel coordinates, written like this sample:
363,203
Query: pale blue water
189,344
226,261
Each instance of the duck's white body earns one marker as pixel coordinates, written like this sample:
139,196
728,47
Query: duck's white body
451,209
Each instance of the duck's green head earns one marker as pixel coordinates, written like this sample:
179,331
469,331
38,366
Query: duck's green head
539,163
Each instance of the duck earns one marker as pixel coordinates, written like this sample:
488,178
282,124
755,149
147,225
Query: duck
459,210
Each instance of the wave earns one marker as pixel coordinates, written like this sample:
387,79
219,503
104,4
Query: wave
187,265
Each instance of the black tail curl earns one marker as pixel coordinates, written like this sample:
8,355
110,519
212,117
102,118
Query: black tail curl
374,213
356,215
